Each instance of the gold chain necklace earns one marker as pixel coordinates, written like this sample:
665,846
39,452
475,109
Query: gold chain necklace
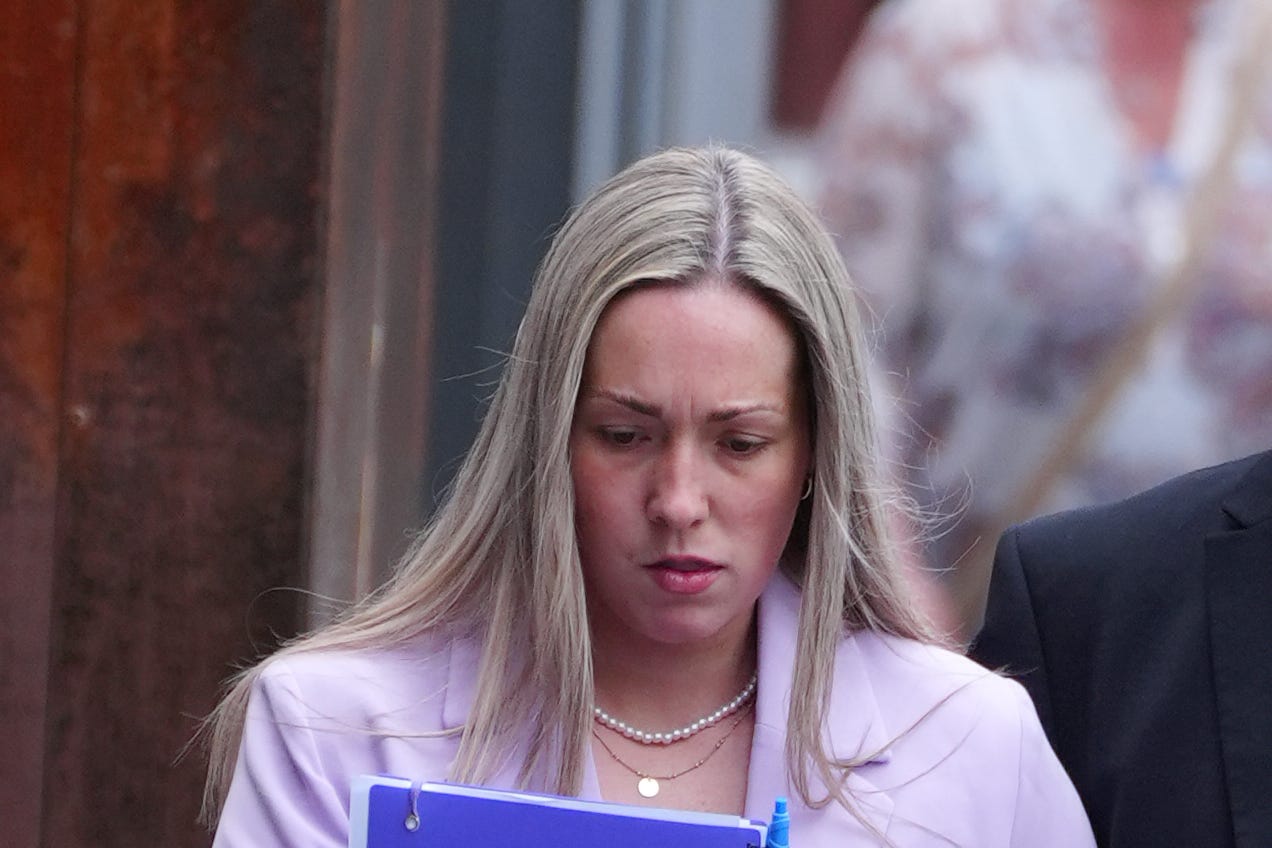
648,785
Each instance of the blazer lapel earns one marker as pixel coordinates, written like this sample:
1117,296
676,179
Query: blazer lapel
857,728
461,694
1239,598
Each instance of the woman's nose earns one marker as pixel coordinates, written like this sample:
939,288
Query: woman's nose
678,495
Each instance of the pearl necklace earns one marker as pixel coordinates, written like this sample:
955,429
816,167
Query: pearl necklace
648,785
691,729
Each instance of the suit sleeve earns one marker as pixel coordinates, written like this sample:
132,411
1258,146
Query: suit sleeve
281,795
1010,640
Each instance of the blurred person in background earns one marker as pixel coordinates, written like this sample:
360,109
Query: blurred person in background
1061,211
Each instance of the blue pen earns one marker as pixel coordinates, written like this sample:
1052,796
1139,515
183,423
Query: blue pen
779,832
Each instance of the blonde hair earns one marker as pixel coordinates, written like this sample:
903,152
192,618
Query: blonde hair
499,560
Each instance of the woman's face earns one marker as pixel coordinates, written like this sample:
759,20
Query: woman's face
689,452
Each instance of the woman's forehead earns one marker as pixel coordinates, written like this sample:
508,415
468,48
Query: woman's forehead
726,344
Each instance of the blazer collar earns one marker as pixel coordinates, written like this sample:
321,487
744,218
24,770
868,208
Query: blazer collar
461,694
856,726
1250,501
461,681
1239,596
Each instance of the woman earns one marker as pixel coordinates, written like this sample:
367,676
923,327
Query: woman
669,524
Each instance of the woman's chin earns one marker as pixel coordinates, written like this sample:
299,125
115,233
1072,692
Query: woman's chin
688,629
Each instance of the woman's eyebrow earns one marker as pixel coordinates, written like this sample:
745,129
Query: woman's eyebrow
630,401
635,404
731,412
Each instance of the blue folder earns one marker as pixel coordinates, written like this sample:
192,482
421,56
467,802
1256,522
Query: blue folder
389,812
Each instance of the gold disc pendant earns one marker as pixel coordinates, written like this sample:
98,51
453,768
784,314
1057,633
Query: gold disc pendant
647,787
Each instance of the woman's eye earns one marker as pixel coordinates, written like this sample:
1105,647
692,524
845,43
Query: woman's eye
619,438
742,446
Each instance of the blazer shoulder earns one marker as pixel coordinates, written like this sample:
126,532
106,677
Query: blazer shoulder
402,688
913,680
965,749
1167,516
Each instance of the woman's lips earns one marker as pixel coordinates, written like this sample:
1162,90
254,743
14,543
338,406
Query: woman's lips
684,575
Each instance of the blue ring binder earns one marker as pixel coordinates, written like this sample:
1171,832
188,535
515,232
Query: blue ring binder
446,815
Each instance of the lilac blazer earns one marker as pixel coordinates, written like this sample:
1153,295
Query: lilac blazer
956,754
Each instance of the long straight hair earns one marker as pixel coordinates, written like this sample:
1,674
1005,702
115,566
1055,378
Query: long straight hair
499,560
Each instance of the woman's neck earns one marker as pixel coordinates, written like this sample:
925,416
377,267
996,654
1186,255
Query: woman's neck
656,687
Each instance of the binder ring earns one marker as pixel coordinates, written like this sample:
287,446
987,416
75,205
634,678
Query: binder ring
412,822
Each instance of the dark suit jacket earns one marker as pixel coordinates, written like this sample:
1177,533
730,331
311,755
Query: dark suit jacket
1143,632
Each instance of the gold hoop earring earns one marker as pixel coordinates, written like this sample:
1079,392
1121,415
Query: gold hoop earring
808,489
